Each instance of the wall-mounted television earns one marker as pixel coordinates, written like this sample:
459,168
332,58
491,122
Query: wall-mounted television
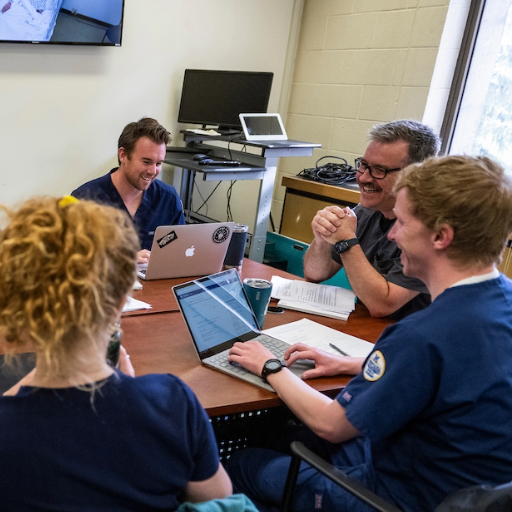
80,22
216,98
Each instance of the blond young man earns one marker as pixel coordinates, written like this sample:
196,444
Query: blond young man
432,408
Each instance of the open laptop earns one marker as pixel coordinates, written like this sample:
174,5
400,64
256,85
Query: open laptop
187,250
218,314
261,127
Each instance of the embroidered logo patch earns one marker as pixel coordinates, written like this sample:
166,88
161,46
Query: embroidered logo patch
220,234
375,366
167,239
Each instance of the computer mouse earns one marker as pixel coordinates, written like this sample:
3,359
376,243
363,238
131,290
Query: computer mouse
199,157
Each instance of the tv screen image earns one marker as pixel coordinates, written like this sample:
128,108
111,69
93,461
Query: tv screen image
80,22
211,97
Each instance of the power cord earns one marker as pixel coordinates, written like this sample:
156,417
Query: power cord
205,201
229,215
330,173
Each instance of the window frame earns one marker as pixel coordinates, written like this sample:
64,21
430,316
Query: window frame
461,73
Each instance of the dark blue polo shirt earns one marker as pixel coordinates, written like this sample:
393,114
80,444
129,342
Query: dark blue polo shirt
160,206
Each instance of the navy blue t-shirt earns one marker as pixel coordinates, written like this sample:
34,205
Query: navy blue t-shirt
134,445
160,206
435,397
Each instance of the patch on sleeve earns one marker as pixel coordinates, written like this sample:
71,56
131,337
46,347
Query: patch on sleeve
375,366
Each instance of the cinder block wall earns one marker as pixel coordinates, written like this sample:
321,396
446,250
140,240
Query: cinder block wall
358,63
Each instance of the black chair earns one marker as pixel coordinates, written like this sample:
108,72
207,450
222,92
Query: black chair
478,498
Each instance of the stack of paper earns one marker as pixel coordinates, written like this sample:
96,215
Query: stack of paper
320,336
132,304
317,299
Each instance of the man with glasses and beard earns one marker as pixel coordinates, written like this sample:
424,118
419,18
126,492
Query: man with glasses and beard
357,239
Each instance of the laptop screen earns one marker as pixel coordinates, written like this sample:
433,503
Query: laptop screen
216,309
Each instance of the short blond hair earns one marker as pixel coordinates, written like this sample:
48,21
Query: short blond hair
473,195
65,267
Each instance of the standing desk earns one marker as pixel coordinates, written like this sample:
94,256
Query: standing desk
255,166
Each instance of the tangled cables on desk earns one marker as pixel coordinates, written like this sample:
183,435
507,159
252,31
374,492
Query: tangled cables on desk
330,173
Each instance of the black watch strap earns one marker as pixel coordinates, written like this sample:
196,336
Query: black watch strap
345,245
271,366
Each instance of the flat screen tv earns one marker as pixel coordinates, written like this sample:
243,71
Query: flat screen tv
217,97
79,22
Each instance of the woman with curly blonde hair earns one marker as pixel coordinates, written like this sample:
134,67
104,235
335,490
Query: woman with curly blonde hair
75,433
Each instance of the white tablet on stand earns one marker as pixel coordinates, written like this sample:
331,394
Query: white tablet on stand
260,127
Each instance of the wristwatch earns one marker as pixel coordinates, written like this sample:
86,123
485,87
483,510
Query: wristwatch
345,245
271,366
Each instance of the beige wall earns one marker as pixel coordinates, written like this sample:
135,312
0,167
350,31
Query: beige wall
63,108
358,63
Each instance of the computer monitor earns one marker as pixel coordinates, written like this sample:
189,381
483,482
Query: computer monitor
217,97
73,22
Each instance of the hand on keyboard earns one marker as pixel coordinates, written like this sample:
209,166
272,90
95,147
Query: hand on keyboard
252,355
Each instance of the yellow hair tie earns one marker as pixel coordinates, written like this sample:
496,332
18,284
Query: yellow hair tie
67,200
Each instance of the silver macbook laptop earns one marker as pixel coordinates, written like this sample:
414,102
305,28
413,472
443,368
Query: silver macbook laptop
218,314
187,250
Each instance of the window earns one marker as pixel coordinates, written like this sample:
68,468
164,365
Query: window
478,119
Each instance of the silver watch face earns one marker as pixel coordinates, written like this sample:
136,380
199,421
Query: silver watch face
271,366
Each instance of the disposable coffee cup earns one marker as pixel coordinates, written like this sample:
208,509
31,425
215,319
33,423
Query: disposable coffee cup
236,249
258,292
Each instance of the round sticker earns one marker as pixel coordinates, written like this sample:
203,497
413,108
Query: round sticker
375,366
220,234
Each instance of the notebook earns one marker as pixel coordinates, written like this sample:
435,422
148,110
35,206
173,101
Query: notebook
187,250
218,314
261,127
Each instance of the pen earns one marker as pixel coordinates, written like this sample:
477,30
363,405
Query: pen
338,349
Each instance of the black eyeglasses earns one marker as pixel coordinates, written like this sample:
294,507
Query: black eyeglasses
377,172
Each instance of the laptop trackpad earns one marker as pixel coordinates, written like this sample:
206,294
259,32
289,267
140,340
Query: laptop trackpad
300,366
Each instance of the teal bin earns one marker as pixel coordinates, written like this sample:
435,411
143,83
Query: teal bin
287,254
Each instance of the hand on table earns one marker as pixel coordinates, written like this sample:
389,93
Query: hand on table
143,256
252,355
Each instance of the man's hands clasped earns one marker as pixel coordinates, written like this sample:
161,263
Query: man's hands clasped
333,224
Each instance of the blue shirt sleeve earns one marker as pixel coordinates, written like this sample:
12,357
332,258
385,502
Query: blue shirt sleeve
398,380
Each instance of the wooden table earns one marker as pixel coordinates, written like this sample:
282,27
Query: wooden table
158,342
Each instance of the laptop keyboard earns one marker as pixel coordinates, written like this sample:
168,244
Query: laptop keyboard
277,347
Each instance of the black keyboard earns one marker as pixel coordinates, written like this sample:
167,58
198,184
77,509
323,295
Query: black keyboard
222,163
185,149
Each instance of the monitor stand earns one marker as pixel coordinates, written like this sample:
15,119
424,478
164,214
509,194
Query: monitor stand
226,130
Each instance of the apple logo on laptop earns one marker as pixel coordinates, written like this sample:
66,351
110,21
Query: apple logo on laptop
190,251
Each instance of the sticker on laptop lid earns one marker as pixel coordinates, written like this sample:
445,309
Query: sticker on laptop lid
167,239
220,234
375,366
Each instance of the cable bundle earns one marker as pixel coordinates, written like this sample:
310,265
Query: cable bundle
330,173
